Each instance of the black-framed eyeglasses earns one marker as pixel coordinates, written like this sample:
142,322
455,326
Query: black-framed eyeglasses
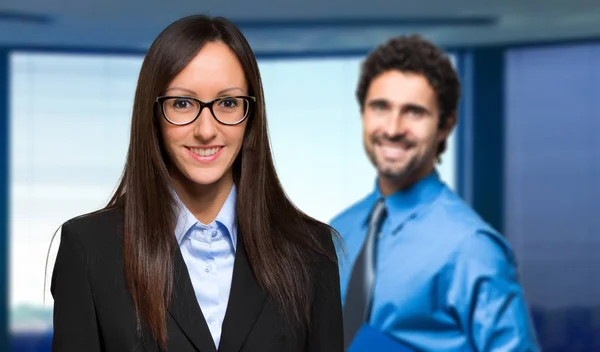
183,110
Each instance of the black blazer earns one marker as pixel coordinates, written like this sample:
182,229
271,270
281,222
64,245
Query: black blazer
94,311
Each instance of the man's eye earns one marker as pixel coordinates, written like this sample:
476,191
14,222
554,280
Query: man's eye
379,107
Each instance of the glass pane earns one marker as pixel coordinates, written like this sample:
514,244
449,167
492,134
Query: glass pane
70,117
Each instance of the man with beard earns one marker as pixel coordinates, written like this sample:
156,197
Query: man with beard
424,271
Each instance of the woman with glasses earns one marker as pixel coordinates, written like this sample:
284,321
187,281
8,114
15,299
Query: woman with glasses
199,249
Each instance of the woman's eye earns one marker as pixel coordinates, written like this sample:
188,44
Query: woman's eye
228,103
182,104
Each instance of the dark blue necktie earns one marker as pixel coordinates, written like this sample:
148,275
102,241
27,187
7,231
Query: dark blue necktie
357,308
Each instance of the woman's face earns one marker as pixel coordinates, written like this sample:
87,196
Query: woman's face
203,152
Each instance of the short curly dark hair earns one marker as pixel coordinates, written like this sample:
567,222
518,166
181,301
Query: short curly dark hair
414,54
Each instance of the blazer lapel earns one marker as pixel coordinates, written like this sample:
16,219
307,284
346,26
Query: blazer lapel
185,310
246,301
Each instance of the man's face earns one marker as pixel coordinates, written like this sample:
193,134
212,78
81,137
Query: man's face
400,126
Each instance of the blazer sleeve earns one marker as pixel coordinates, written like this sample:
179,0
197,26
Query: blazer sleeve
326,332
75,326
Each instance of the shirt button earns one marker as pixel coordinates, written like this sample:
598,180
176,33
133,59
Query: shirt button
210,320
214,234
207,268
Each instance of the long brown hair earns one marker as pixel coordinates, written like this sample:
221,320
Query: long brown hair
279,240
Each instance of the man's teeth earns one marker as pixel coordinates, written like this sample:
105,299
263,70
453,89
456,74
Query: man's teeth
204,152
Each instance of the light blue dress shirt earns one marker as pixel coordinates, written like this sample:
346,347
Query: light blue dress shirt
446,281
209,252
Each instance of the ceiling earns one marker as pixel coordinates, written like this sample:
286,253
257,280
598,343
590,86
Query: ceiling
300,27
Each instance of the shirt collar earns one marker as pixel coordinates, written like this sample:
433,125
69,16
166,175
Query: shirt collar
408,202
226,217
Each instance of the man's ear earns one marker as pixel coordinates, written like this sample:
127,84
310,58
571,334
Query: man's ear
447,127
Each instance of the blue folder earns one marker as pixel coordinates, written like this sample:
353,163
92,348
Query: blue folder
372,340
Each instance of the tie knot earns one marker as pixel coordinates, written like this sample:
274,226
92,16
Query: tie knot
378,213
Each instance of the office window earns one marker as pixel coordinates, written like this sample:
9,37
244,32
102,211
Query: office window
70,118
552,190
552,173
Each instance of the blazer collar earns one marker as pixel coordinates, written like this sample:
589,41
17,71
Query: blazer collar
185,310
246,300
